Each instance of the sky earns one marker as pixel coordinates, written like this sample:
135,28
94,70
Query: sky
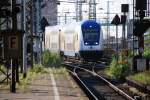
114,8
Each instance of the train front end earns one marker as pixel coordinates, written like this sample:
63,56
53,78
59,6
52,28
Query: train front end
91,46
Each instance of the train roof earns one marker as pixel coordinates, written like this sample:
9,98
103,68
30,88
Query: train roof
90,24
53,27
85,23
74,25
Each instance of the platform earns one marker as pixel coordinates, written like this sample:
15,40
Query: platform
47,87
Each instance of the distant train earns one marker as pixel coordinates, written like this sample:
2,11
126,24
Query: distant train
80,40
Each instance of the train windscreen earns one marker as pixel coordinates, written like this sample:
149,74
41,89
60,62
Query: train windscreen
91,38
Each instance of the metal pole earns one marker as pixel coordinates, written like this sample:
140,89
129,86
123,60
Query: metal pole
117,49
17,70
77,16
107,24
15,76
40,36
32,31
24,39
108,28
123,35
133,22
79,10
24,56
14,17
0,23
141,40
92,10
13,80
65,18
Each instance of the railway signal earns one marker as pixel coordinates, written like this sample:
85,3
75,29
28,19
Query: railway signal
140,25
124,10
116,21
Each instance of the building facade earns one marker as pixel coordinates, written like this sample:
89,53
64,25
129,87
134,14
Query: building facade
49,11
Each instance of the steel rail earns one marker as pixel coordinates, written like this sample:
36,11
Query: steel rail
106,81
83,84
110,84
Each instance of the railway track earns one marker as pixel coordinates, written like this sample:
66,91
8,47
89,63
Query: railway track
95,86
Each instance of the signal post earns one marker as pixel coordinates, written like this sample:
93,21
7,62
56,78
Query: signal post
141,24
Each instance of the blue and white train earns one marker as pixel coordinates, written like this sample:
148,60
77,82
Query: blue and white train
81,40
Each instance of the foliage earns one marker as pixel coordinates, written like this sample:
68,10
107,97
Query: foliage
51,59
147,41
24,82
130,54
147,52
2,67
142,77
32,73
119,69
147,48
38,69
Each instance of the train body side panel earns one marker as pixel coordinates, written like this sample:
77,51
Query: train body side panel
54,41
83,39
69,48
62,43
77,40
47,39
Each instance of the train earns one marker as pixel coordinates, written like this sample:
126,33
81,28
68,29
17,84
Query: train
79,40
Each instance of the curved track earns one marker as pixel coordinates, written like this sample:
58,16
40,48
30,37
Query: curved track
95,86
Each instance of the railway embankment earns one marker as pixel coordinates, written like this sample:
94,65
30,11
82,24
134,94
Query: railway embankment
135,83
140,80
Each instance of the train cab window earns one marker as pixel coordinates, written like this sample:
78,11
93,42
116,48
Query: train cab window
91,38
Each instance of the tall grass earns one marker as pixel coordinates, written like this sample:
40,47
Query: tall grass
142,77
38,68
51,59
147,52
119,69
32,74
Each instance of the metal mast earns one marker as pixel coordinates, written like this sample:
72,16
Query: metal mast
30,28
92,10
23,27
78,10
37,34
108,29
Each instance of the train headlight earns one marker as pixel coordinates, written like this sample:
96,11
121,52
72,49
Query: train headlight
86,43
96,43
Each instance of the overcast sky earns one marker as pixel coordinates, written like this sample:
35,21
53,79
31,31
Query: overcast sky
115,8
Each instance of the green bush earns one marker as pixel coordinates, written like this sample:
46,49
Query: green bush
51,59
147,52
118,69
